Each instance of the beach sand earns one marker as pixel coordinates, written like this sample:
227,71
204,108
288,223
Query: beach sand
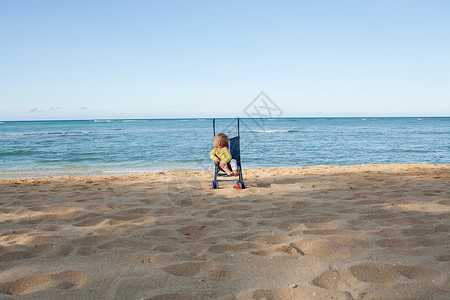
356,232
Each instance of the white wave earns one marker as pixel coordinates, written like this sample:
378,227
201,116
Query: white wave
272,131
48,133
25,134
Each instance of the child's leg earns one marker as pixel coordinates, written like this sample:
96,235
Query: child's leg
233,164
227,170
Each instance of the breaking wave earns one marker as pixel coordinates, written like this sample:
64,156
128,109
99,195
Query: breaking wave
273,131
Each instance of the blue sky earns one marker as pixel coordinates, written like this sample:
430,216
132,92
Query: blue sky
162,59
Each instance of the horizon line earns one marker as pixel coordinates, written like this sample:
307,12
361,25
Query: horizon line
244,118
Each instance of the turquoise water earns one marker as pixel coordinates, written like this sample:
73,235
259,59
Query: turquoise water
99,147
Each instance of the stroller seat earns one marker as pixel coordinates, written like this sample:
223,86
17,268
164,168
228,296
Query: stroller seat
234,146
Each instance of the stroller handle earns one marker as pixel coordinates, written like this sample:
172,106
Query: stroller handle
214,126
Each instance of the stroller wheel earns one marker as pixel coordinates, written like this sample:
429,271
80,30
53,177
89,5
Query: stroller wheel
240,185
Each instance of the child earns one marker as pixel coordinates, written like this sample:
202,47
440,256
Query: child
221,154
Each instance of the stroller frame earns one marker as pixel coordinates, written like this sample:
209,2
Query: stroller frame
234,146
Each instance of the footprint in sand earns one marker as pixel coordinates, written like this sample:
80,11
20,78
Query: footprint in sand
90,222
125,243
173,296
207,271
405,243
376,273
186,269
322,248
64,250
30,247
349,279
444,258
16,255
234,247
296,292
31,284
184,190
194,231
281,250
330,279
270,239
425,274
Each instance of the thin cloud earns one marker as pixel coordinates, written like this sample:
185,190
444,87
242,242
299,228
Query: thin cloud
33,110
83,108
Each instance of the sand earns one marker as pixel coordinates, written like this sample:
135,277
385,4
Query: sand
357,232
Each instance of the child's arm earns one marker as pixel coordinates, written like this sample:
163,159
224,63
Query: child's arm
228,157
213,155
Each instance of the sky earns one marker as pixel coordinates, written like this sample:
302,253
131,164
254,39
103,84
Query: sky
174,59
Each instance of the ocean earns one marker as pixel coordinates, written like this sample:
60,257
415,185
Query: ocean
106,147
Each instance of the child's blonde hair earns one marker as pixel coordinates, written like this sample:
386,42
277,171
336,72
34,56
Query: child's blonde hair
223,139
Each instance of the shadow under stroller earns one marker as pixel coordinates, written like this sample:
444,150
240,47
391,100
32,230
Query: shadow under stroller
234,146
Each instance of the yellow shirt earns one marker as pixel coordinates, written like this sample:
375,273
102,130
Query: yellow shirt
224,155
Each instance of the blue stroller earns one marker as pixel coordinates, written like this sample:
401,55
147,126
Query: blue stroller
234,146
